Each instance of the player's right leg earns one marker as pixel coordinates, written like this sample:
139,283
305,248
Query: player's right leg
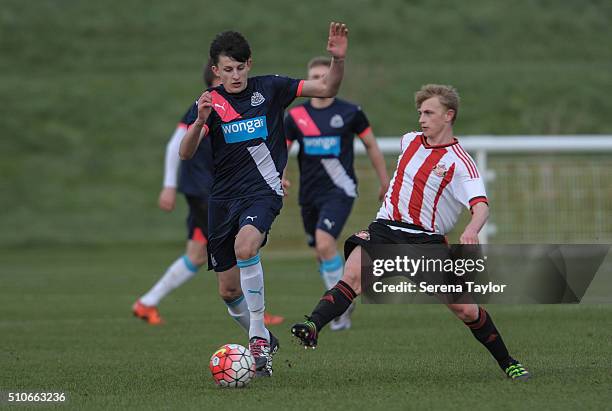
331,269
238,229
328,219
256,218
333,303
179,272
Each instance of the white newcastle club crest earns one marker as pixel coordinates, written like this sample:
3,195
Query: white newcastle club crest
257,99
336,121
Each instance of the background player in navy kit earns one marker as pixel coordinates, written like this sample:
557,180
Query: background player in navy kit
243,119
325,129
194,182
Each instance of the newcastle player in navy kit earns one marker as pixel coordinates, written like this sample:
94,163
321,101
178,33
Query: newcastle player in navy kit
243,119
194,182
325,129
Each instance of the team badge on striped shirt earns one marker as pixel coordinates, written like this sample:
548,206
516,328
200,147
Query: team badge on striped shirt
363,234
440,169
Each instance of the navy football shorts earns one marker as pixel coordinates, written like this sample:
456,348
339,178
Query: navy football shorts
227,217
329,214
197,219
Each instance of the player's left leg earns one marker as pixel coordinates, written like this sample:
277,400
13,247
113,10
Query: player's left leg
484,330
246,247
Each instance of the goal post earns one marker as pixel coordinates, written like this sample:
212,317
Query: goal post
543,188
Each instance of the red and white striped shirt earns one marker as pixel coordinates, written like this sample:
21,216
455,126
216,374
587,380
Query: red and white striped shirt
431,185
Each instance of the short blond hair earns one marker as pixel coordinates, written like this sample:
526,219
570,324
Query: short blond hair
447,95
319,61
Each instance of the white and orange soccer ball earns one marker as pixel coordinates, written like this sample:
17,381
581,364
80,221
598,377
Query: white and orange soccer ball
232,366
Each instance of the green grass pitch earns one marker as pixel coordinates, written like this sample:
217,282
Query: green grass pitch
65,325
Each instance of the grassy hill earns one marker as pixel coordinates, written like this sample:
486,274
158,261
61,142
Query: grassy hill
92,90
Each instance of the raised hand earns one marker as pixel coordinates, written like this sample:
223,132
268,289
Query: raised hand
204,106
337,42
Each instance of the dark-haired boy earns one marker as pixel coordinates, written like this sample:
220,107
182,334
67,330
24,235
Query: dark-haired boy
195,177
243,119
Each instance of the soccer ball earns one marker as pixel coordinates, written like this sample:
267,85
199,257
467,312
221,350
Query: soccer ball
232,366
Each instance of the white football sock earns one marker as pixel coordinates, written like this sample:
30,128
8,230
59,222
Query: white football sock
252,282
331,271
179,272
239,311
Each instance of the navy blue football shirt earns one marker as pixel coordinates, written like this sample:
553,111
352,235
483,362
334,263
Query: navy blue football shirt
326,147
247,136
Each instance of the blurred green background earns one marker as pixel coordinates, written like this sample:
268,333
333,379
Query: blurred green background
91,92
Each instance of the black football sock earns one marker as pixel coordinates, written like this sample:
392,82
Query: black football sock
333,303
485,331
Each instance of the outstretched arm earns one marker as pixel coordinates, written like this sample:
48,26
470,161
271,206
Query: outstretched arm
378,161
337,45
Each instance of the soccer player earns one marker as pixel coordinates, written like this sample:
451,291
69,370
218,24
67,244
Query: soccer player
434,179
325,128
243,120
194,182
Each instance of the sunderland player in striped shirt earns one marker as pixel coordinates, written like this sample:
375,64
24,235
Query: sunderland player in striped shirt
194,182
435,178
243,120
325,129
